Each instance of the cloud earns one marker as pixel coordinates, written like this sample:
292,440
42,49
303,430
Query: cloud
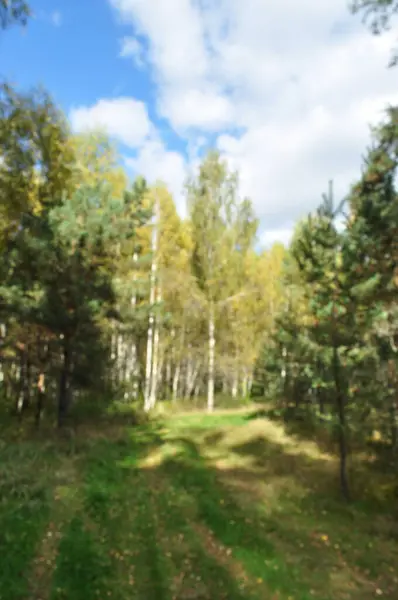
132,48
180,61
300,81
156,163
124,118
268,238
203,110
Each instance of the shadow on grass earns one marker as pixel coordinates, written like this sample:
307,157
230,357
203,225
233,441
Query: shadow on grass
300,423
126,513
273,460
246,533
143,531
368,461
25,507
312,540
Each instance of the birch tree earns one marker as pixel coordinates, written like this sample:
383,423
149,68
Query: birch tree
220,228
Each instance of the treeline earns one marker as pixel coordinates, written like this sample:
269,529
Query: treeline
335,344
105,289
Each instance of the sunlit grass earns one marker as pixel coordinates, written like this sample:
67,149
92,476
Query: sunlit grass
194,506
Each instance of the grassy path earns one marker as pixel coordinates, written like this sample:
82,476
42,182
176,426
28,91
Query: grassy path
202,507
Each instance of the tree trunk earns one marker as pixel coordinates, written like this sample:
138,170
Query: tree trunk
212,343
114,348
134,369
64,395
155,361
235,383
40,398
121,359
149,353
192,380
245,381
148,370
134,363
249,385
176,380
19,377
24,382
168,379
188,374
340,404
177,371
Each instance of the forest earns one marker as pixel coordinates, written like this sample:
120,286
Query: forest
184,414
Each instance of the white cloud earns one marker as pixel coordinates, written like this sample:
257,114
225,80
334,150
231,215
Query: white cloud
132,48
301,80
176,52
156,163
125,119
268,238
196,109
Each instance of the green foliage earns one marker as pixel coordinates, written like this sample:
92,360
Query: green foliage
13,11
378,12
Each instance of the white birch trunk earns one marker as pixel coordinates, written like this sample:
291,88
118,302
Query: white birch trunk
120,357
192,380
235,383
188,374
212,343
149,352
155,362
160,378
134,365
283,370
168,378
177,371
176,381
113,376
244,385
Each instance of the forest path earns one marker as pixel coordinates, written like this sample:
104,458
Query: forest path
229,505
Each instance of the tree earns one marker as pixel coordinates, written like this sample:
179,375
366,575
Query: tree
318,248
222,225
97,162
37,159
35,172
13,11
379,14
374,251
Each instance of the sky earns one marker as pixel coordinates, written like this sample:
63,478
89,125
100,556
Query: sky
285,90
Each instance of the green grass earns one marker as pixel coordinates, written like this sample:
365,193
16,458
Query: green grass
196,506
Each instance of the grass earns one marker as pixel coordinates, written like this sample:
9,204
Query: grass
193,506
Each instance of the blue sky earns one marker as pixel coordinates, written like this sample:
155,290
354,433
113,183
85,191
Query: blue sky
285,90
72,47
